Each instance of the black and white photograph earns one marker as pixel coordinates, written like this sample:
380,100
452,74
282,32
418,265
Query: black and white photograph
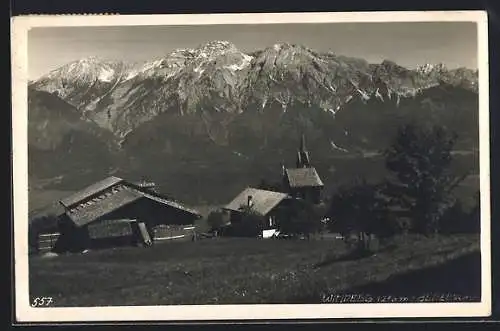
239,166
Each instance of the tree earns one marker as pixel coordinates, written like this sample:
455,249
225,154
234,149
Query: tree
459,219
422,181
361,210
302,218
455,219
216,219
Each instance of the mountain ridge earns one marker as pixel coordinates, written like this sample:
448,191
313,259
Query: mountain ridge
217,77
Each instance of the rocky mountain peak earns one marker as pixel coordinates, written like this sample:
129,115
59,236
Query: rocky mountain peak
203,51
286,48
429,68
215,46
90,68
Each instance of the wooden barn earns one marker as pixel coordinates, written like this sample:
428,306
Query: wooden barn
115,212
303,181
268,207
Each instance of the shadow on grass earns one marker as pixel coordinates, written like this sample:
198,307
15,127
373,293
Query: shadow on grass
456,280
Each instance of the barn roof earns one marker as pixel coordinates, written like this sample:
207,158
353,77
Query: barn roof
171,203
263,201
301,177
87,213
124,195
90,190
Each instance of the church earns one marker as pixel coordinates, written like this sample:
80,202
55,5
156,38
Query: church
271,206
303,181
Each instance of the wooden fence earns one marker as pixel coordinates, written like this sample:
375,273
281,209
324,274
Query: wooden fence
47,241
170,232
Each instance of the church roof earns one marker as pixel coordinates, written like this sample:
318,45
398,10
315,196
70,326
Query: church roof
303,177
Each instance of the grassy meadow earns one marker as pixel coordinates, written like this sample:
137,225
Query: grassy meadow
246,271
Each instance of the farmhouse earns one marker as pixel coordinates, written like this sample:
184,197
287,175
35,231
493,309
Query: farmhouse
115,212
267,207
303,181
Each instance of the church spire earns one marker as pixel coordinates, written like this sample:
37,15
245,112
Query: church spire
302,154
303,143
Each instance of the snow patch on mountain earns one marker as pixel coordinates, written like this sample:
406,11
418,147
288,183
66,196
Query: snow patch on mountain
199,70
363,95
106,75
131,74
151,65
338,148
245,62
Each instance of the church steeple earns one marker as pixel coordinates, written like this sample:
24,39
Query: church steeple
302,154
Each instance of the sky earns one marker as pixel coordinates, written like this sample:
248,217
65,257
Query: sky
408,44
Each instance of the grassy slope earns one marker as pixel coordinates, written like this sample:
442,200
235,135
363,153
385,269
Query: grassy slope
231,271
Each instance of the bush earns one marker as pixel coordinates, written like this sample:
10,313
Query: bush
360,207
216,219
302,218
359,212
250,225
457,219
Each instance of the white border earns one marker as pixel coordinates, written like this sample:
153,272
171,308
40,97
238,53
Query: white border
25,313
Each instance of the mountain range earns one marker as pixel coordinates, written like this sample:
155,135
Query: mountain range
215,116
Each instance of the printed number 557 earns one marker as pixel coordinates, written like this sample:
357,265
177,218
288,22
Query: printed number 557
41,301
